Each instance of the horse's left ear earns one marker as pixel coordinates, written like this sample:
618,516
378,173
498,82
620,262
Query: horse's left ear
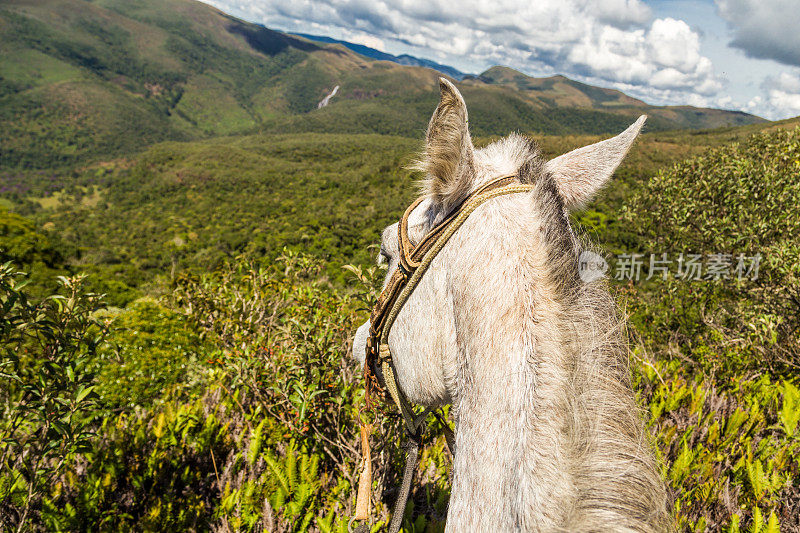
447,160
579,174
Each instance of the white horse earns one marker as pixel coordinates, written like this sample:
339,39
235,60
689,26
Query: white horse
548,436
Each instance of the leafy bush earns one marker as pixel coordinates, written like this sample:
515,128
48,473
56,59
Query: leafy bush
283,337
31,250
280,341
47,396
738,199
151,354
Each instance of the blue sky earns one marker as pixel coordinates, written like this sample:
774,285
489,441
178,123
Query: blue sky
732,54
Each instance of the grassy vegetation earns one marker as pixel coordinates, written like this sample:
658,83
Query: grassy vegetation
221,404
732,200
723,354
191,205
31,250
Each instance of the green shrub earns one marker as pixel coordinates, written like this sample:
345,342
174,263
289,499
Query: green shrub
739,199
31,250
151,355
731,452
282,342
47,398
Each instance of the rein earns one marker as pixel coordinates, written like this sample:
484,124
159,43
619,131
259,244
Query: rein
412,265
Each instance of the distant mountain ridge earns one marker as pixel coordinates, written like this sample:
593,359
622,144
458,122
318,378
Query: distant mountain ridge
557,89
86,80
403,59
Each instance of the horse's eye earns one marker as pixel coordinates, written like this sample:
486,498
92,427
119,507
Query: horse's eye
384,258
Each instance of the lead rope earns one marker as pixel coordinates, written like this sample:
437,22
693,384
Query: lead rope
412,449
365,479
415,427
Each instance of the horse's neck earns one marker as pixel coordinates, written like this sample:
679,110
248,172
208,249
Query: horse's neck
512,468
548,438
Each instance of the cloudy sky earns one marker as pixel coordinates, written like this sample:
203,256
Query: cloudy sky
732,54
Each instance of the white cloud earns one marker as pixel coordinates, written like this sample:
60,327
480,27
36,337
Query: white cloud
611,42
786,82
754,104
664,57
368,40
620,13
674,44
764,29
724,102
783,94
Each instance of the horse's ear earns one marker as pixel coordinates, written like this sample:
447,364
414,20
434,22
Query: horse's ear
579,174
447,159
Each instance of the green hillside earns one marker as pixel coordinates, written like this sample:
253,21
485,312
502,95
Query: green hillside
81,81
109,78
190,205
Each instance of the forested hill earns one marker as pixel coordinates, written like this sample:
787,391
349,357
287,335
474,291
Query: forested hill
231,402
84,80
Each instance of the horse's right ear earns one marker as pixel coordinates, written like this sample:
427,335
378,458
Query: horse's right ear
581,173
447,159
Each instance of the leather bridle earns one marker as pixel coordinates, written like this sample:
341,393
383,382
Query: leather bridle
413,261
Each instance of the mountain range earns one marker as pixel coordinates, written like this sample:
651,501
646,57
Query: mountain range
83,80
402,59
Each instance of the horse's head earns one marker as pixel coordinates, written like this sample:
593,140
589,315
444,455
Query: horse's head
511,262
